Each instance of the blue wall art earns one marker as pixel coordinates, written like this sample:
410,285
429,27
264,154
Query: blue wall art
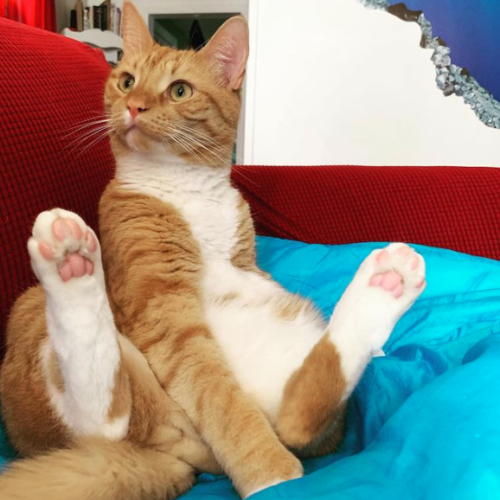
465,37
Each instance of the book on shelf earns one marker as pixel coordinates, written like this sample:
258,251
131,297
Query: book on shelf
107,3
79,15
118,21
86,18
72,20
111,25
106,17
98,24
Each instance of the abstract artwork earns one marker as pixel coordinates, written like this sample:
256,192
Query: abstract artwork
465,38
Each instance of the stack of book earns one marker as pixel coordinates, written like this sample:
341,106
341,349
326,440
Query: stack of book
105,17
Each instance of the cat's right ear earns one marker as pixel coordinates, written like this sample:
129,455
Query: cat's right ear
136,36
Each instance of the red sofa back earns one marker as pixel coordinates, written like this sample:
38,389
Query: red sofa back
50,86
449,207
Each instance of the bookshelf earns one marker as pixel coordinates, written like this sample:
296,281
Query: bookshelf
98,24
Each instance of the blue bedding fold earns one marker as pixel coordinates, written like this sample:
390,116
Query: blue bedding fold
424,422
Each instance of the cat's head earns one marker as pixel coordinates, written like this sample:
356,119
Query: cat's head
180,102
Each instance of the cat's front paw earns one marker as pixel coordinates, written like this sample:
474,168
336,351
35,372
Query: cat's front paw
287,469
63,247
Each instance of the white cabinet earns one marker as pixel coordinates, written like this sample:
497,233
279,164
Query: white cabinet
110,43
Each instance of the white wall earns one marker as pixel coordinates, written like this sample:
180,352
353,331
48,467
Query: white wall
332,82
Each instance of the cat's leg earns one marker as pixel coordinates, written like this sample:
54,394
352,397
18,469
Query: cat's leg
88,384
242,439
69,384
192,369
387,283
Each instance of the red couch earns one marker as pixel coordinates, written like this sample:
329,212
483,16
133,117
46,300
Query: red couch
50,86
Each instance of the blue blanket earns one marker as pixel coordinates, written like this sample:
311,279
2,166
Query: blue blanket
424,422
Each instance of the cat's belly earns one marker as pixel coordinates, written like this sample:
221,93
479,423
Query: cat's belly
262,330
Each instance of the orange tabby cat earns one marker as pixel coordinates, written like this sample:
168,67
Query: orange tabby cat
253,367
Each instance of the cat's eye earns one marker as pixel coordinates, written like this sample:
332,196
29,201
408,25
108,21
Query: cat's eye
126,83
180,91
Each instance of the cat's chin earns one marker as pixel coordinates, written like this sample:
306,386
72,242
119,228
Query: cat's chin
140,142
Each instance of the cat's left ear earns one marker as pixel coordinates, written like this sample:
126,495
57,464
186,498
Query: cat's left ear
228,48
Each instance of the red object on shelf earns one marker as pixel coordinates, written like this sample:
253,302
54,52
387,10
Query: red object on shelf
35,13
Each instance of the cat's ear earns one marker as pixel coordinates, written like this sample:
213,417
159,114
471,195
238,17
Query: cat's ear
228,49
136,36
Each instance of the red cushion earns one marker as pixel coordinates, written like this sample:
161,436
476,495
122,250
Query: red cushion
48,85
450,207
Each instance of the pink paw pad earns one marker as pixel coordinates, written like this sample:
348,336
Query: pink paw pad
75,265
65,228
91,241
390,281
420,283
46,251
382,257
404,251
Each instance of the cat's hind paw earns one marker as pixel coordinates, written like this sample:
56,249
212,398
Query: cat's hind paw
63,247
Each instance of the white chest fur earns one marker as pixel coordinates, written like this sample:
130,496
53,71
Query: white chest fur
203,196
261,349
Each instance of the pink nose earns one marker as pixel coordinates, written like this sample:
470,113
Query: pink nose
136,105
134,111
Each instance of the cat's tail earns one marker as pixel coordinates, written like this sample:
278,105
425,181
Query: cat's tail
97,470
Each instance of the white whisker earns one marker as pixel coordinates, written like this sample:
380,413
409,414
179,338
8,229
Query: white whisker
93,143
78,128
78,141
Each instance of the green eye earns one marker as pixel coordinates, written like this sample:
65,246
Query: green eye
180,91
126,83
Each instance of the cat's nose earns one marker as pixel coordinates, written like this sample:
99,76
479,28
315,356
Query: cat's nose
136,106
